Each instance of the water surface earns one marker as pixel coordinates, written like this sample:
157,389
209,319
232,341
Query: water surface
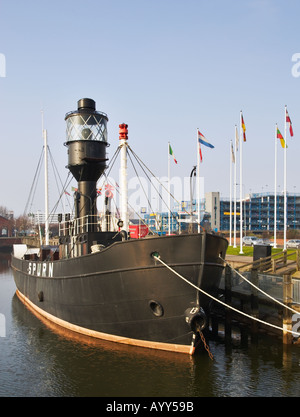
40,359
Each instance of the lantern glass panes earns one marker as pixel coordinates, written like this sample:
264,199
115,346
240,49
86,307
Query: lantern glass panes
87,127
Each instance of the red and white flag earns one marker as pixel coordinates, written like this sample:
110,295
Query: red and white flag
288,120
200,152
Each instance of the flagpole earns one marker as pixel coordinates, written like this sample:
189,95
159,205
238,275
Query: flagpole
275,192
230,192
169,188
284,181
234,192
241,186
198,178
200,139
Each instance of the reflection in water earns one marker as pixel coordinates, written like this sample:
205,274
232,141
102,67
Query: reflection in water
73,364
5,258
38,358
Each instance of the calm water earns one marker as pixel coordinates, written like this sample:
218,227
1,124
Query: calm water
39,360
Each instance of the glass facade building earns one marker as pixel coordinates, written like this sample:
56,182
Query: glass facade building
259,212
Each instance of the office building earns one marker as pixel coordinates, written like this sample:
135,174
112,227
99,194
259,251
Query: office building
259,212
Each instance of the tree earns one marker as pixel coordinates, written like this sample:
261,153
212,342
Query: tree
3,211
22,223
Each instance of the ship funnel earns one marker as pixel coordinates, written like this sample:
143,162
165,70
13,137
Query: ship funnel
86,142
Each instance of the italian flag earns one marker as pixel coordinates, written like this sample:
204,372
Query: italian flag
171,153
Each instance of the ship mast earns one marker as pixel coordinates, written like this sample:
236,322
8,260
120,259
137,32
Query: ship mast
46,189
123,136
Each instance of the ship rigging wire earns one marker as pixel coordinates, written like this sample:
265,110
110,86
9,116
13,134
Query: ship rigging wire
135,170
34,185
144,168
138,161
141,164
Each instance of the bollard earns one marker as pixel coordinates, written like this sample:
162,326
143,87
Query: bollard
298,259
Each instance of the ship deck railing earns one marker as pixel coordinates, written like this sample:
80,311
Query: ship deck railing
74,227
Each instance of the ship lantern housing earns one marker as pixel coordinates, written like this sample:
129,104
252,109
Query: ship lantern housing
86,140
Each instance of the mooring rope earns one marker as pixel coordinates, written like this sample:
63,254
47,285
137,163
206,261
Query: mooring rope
157,257
259,289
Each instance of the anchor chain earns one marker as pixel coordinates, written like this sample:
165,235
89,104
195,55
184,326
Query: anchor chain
205,344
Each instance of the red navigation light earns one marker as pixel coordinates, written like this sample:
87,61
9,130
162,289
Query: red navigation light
123,131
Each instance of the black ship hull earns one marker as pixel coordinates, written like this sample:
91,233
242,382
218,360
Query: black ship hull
123,294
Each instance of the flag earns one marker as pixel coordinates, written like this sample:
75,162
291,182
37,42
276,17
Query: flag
66,192
202,140
108,191
244,128
74,189
200,153
232,154
109,187
171,153
288,120
236,138
279,136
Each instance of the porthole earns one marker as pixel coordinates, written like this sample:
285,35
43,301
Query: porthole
156,308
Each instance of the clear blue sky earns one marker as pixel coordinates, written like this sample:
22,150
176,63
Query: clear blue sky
164,67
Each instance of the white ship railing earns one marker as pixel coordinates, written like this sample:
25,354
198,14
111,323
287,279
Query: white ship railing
86,224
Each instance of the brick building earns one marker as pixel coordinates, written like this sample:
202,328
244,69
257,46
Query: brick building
6,227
